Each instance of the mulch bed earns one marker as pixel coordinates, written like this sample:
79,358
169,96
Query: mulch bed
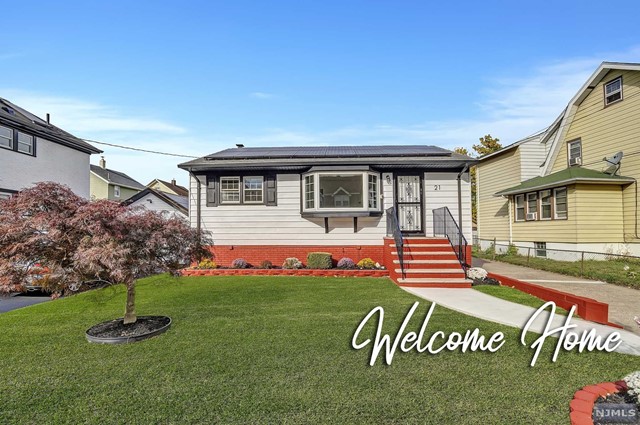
117,329
287,272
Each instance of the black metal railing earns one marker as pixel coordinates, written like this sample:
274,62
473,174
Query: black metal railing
445,225
393,229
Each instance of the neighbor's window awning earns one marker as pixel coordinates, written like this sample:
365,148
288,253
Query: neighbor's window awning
568,176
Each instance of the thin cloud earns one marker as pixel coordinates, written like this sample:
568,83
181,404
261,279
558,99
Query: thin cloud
261,95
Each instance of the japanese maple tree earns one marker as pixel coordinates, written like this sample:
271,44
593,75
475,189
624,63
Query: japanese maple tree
74,242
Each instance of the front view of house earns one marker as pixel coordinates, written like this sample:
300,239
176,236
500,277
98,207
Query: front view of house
273,203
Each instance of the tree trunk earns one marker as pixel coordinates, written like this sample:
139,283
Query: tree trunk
130,311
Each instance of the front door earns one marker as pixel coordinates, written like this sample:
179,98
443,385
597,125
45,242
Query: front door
409,204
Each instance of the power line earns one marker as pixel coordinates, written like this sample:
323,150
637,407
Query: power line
140,150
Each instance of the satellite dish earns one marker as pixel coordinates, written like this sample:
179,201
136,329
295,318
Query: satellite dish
615,163
615,159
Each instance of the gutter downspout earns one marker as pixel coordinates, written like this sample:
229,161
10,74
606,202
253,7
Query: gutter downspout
464,169
198,201
510,219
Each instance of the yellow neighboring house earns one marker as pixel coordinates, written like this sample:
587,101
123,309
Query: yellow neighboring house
574,185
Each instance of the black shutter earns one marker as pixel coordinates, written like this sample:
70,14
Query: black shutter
212,191
271,189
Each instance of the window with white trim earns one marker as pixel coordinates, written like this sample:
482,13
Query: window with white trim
574,152
25,143
253,189
613,91
6,137
309,192
532,206
520,214
545,204
560,203
344,191
116,191
230,190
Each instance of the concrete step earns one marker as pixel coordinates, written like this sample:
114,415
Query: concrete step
434,253
425,246
457,271
428,280
437,263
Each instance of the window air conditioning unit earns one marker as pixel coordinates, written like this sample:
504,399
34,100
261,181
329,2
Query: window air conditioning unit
574,161
532,216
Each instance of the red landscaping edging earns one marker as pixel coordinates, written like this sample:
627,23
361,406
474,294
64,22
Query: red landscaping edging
286,272
587,308
581,407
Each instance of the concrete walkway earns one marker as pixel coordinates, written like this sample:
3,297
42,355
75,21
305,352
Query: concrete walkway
624,303
475,303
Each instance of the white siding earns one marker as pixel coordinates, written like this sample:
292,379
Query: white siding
283,224
441,190
53,162
532,155
157,204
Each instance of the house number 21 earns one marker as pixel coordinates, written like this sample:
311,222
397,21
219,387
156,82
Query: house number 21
436,187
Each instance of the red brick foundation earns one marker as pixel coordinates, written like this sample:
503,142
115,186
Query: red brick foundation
255,254
286,272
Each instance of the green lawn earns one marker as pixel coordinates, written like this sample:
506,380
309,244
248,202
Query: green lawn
273,350
516,296
611,271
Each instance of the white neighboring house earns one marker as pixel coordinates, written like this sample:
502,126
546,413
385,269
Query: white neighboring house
33,150
156,200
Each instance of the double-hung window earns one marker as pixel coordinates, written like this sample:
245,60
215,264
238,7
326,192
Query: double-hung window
25,143
6,137
116,191
309,191
532,206
560,203
520,214
230,190
545,204
253,189
574,152
613,91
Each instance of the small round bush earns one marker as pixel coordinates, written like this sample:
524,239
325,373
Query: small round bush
266,264
239,263
366,263
207,264
292,263
346,263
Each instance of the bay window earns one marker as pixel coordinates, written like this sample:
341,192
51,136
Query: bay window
341,191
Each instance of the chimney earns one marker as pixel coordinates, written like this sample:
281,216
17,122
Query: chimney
48,118
103,163
173,182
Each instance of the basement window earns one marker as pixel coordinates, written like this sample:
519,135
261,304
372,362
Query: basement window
541,249
613,91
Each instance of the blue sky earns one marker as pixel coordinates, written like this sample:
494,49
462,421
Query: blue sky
196,77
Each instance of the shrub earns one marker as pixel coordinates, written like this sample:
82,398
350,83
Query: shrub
207,264
346,263
319,260
366,263
266,264
239,263
292,263
512,250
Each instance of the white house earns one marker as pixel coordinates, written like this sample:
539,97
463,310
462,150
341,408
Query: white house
273,203
33,150
156,200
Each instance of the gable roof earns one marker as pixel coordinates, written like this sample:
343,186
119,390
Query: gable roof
569,175
179,190
116,177
414,155
21,119
180,203
572,107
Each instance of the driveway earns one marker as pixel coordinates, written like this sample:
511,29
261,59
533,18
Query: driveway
624,303
20,300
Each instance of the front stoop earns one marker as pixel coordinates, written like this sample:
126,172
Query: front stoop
428,262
